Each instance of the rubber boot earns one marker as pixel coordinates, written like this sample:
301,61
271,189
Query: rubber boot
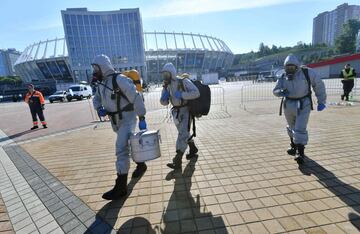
176,162
299,158
140,170
119,190
292,149
192,152
35,127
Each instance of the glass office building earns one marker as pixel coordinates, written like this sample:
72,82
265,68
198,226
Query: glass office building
117,34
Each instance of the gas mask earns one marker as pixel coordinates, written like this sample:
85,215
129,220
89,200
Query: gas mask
290,71
97,74
166,78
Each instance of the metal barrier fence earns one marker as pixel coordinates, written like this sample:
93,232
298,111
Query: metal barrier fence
152,101
263,91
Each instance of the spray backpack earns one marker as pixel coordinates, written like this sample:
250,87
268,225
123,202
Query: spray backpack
135,77
201,105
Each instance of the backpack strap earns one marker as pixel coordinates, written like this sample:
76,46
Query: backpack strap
282,99
181,88
117,91
192,118
281,105
116,88
306,73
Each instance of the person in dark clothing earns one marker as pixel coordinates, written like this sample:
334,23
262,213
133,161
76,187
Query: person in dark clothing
348,74
36,102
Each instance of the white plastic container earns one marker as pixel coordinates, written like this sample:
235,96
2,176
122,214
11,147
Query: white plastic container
145,146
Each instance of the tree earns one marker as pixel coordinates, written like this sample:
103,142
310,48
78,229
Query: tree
274,49
345,43
262,49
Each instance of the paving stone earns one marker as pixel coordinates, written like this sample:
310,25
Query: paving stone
70,225
273,196
28,229
65,218
49,227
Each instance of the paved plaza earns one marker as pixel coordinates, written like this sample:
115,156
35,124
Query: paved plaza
51,180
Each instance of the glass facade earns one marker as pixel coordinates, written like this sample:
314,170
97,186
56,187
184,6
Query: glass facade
7,60
117,34
190,53
45,60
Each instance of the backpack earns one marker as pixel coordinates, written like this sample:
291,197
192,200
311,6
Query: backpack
135,77
199,106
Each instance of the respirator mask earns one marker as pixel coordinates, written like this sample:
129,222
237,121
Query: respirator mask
290,71
97,74
166,78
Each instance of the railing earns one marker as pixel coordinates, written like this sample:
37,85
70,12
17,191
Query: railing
153,105
262,92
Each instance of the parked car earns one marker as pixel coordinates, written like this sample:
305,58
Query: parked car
267,79
79,92
58,96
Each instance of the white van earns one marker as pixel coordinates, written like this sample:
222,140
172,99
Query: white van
79,92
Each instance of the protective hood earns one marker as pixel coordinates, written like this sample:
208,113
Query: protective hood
104,63
291,59
169,67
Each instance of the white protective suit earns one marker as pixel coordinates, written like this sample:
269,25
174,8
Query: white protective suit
180,111
297,105
126,125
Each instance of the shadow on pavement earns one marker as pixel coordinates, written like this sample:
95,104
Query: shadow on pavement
17,135
113,207
183,207
143,226
347,193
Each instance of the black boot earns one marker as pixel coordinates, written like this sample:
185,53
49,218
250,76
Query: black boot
119,190
299,158
347,98
342,97
292,149
192,152
176,162
35,127
140,170
44,126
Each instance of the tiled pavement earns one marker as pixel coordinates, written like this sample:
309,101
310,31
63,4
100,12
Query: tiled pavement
242,181
5,224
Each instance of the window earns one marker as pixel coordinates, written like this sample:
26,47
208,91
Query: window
114,19
80,20
86,19
97,19
73,19
67,19
92,19
75,88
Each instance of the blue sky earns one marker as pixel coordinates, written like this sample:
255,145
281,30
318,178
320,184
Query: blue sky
241,24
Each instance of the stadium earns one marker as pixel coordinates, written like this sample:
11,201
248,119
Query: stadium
119,35
192,53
